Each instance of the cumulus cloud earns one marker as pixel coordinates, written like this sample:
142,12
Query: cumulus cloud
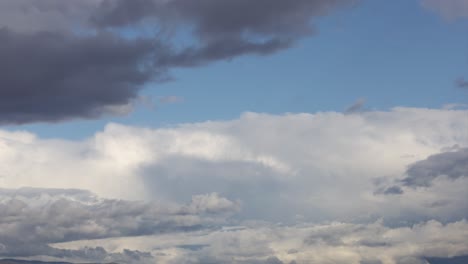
330,166
453,164
93,65
31,219
252,171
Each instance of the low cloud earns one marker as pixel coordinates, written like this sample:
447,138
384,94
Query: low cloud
63,60
335,242
219,190
31,219
323,169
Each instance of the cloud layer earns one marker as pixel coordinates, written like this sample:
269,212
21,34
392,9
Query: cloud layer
330,166
401,171
85,59
31,219
335,243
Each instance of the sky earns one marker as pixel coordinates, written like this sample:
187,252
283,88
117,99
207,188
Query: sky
234,131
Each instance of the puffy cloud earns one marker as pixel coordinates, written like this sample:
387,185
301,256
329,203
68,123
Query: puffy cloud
259,169
31,219
94,66
321,166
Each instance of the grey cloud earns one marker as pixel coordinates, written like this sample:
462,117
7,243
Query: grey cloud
365,244
393,190
60,61
29,16
373,261
31,219
453,260
358,106
53,76
411,260
213,19
97,254
226,177
223,29
453,164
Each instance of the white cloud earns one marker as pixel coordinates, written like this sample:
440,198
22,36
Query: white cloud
292,168
319,166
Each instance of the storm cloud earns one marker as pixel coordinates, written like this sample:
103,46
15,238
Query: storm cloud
75,59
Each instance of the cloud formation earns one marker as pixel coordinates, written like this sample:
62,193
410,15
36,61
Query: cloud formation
77,59
331,166
31,219
453,164
212,191
335,242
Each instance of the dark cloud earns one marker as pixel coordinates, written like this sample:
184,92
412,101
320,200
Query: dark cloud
53,76
393,190
411,260
453,164
357,107
91,254
31,219
453,260
71,59
218,19
373,261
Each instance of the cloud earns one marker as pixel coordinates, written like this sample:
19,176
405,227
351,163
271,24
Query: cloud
448,9
356,106
213,191
452,164
31,219
53,77
100,53
335,242
315,167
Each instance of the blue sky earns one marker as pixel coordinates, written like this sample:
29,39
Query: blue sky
388,53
